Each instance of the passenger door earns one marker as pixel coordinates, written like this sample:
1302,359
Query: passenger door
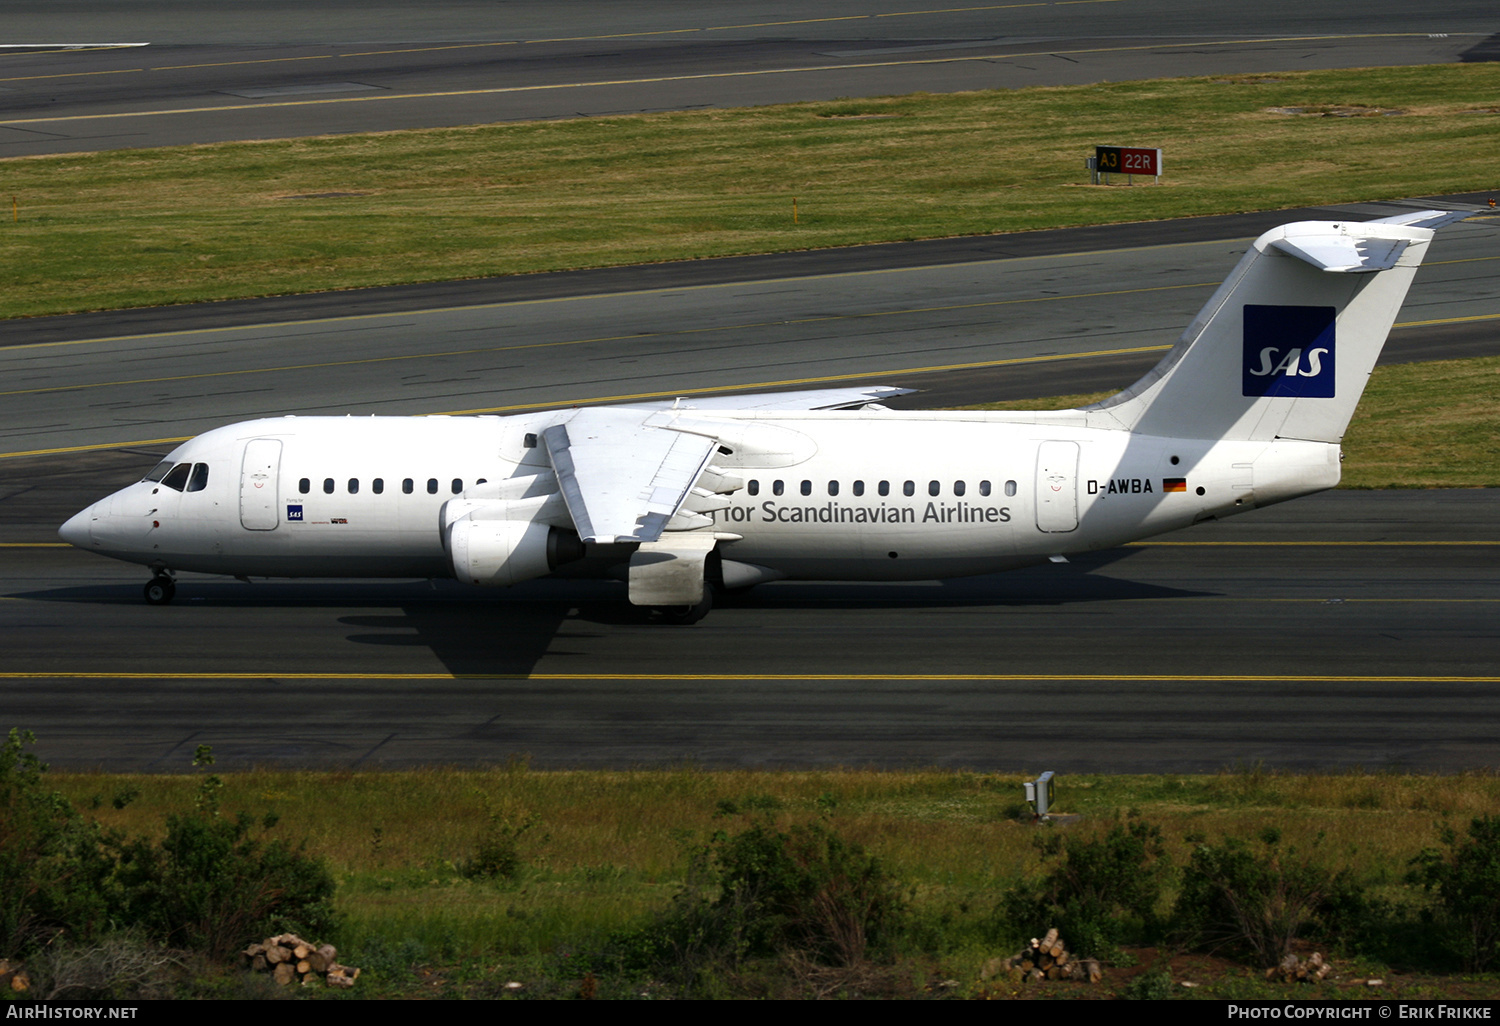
1057,487
260,473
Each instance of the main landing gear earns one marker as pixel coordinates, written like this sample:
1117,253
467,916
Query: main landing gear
681,616
160,590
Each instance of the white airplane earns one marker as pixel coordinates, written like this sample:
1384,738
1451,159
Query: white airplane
1247,409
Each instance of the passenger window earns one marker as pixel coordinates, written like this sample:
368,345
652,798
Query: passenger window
959,488
304,486
909,488
432,486
859,488
777,487
159,471
458,485
1010,488
407,486
885,488
934,488
806,487
984,488
833,487
753,488
378,485
354,486
177,477
199,480
328,486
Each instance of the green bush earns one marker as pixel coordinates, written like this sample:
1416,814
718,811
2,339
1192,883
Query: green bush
685,944
1257,902
749,803
29,823
807,890
212,885
1155,985
1466,882
53,871
1100,894
497,856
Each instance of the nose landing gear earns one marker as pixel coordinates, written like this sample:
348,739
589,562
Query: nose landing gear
160,590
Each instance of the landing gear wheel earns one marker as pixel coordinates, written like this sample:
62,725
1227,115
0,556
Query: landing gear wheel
159,591
681,616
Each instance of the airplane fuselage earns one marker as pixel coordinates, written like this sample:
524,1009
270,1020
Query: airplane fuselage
867,495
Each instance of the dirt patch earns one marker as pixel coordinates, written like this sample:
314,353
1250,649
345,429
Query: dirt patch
1353,110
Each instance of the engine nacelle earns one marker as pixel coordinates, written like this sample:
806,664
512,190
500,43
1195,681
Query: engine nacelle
498,553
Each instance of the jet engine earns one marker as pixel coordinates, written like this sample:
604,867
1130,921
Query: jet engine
499,553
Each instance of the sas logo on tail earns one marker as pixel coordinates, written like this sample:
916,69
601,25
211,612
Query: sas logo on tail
1289,351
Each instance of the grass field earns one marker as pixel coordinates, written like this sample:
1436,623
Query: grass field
603,850
145,227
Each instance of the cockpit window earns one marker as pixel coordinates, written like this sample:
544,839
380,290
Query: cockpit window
199,480
177,477
159,471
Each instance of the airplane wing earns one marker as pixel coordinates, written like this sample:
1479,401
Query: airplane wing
621,479
624,473
812,399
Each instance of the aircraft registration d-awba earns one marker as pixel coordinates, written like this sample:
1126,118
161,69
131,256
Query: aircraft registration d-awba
679,498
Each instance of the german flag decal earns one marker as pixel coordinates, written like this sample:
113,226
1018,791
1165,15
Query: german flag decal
1174,484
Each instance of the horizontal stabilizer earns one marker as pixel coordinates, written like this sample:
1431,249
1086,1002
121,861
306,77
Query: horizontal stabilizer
1328,248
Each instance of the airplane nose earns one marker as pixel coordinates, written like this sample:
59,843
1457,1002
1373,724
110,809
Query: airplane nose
76,530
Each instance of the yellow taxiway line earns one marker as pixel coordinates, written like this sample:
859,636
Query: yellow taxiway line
1130,678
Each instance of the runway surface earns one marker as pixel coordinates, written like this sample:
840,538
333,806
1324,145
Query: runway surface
1345,629
269,69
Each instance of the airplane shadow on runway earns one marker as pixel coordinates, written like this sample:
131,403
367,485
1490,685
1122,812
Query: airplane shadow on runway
512,632
508,632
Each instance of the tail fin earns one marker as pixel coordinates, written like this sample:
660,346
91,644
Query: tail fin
1285,346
